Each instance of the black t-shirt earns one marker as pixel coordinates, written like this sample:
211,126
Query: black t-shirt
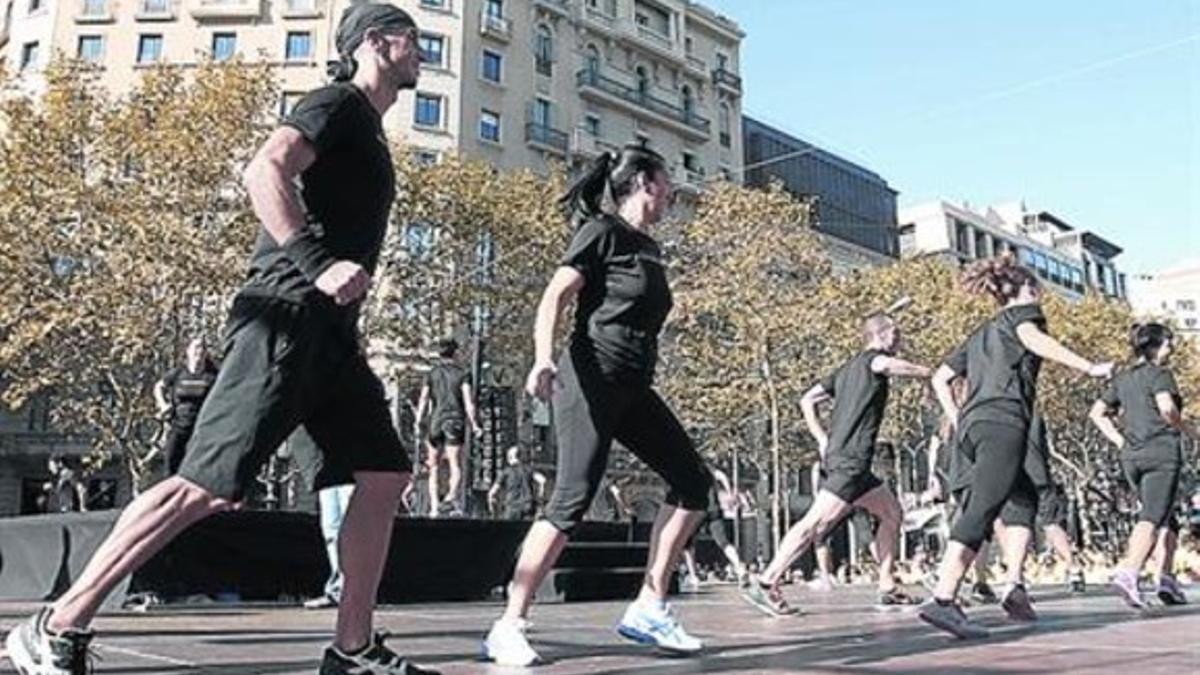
624,301
347,192
188,391
859,397
517,484
445,383
1001,373
1133,392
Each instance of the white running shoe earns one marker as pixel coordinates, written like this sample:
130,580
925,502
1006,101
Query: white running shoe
651,625
506,644
689,584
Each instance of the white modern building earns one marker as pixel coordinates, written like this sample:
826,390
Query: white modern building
1068,259
1172,294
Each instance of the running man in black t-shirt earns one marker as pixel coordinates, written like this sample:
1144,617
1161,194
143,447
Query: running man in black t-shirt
447,395
523,488
1148,399
600,390
1000,361
179,395
291,355
859,390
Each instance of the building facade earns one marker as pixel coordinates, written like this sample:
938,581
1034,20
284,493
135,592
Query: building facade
519,83
855,207
1172,294
1069,260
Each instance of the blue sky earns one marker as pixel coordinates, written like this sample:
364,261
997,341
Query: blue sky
1088,110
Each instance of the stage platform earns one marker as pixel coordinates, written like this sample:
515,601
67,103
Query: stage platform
840,633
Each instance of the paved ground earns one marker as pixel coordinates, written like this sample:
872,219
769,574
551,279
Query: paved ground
840,633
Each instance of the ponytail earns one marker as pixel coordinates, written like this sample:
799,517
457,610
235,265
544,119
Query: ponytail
610,177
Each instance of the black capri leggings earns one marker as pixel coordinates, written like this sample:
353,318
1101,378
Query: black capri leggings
1157,484
590,411
999,484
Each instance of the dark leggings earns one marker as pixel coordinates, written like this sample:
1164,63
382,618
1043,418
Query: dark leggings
1157,484
590,411
175,447
999,484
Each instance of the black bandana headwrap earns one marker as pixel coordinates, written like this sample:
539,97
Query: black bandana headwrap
354,24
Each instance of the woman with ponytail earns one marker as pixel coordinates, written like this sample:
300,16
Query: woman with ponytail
1147,398
600,390
1000,361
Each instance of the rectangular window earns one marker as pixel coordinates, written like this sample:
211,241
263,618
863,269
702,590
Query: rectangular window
541,112
34,5
95,8
91,48
29,55
592,124
428,111
962,237
493,66
489,126
653,18
224,46
150,48
156,7
434,4
495,9
433,49
301,6
299,46
1185,305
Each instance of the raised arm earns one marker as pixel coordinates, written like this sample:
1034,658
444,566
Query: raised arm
1038,342
563,287
896,367
808,405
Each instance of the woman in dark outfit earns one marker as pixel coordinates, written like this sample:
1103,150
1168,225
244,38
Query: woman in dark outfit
1000,360
600,390
1147,397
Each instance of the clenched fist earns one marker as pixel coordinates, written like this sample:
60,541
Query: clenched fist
344,281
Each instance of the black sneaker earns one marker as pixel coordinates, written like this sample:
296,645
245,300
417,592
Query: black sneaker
1076,583
374,659
895,599
982,593
1017,604
34,650
950,618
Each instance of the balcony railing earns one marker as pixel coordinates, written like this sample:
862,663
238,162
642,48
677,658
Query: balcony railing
155,10
697,64
654,37
725,78
94,11
495,26
212,9
558,6
548,136
593,79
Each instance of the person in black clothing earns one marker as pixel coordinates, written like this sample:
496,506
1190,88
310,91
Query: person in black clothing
322,186
859,389
1000,361
1148,399
447,393
600,390
522,485
180,394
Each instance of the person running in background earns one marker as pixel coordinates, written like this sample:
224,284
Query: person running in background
859,390
447,395
722,508
1000,362
1150,438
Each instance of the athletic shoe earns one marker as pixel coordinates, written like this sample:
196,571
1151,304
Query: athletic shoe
743,580
656,625
323,601
982,593
1075,582
950,618
896,598
1125,585
1169,591
821,584
506,644
1017,605
767,599
34,650
374,659
689,584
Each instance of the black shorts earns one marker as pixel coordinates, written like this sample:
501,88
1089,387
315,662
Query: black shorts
849,485
450,431
1156,481
287,364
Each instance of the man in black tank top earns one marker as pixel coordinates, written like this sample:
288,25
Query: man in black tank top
859,389
448,396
